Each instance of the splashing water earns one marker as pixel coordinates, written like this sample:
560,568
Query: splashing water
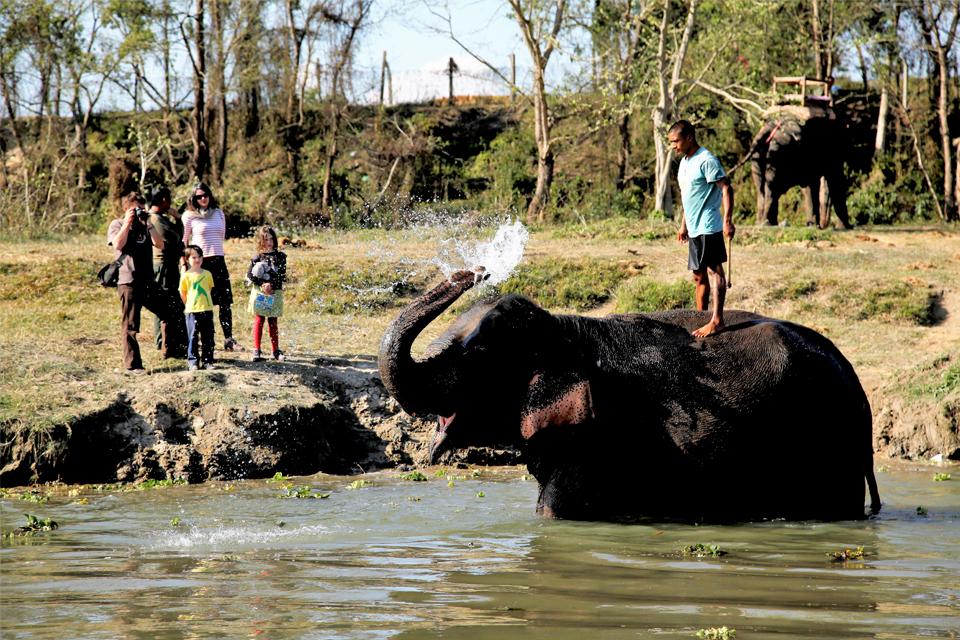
500,255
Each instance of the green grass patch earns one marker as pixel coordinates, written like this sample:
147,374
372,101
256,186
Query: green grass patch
642,295
66,280
904,302
568,284
781,235
938,379
898,301
365,288
796,290
618,228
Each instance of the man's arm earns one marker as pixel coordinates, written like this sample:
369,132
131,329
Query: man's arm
155,236
726,204
119,239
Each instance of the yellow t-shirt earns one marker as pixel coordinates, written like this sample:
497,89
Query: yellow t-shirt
197,287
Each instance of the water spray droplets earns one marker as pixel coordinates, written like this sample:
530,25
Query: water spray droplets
500,255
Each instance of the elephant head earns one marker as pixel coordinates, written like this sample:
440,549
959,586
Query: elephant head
487,377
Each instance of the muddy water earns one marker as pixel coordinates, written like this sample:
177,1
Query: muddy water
403,559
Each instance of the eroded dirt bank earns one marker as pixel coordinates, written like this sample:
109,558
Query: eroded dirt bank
301,417
306,416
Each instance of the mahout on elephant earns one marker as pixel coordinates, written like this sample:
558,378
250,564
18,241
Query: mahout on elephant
801,146
629,416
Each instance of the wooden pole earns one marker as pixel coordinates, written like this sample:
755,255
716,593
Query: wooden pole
383,75
451,67
729,263
513,78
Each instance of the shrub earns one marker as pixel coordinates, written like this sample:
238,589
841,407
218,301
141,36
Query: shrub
642,295
572,284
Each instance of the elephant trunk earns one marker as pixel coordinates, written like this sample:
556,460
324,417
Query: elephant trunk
421,387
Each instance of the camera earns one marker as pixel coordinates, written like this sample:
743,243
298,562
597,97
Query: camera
141,214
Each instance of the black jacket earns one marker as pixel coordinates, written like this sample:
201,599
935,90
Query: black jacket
277,271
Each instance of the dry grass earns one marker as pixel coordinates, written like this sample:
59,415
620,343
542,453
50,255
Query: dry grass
867,291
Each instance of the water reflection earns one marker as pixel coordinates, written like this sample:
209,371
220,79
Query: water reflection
426,560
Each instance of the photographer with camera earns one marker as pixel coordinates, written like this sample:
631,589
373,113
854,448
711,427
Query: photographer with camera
132,237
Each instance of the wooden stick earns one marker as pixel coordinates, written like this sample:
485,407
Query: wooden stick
730,263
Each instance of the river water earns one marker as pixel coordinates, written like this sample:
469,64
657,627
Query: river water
403,559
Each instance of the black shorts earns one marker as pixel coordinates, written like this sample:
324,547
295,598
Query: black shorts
222,292
706,251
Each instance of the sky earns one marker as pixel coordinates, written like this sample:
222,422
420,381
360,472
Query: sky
416,36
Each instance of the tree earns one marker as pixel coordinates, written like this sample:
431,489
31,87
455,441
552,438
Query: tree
669,68
540,22
342,40
218,86
617,34
200,158
937,20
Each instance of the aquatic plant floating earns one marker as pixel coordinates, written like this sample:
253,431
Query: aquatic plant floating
941,477
700,550
847,554
34,526
717,633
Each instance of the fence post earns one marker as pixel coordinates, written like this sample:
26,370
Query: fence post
451,68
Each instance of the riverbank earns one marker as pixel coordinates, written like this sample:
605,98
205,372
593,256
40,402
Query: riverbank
886,296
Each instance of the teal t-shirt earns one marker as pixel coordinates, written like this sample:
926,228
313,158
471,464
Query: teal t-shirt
698,176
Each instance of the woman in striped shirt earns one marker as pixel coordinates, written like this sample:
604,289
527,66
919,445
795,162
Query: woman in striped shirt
205,225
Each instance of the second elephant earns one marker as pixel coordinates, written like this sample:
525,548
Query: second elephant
792,150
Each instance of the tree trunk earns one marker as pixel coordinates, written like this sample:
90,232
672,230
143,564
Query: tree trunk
248,66
201,151
219,89
880,143
540,45
536,211
816,31
665,110
949,200
623,149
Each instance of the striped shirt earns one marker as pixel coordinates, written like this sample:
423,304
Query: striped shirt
207,232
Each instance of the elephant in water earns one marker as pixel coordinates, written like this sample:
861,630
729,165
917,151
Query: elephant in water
800,149
630,416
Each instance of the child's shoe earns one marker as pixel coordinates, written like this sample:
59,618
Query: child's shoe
231,344
278,356
257,356
209,365
193,367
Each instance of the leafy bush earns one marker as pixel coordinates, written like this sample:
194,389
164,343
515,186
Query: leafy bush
571,284
509,169
642,295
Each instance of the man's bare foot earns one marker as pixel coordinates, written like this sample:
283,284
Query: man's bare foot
714,326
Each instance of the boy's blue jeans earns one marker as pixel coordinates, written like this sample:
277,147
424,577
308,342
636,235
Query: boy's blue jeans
200,328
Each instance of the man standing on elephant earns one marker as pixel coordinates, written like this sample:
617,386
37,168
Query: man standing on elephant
705,190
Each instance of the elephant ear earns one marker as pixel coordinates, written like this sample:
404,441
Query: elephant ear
555,399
